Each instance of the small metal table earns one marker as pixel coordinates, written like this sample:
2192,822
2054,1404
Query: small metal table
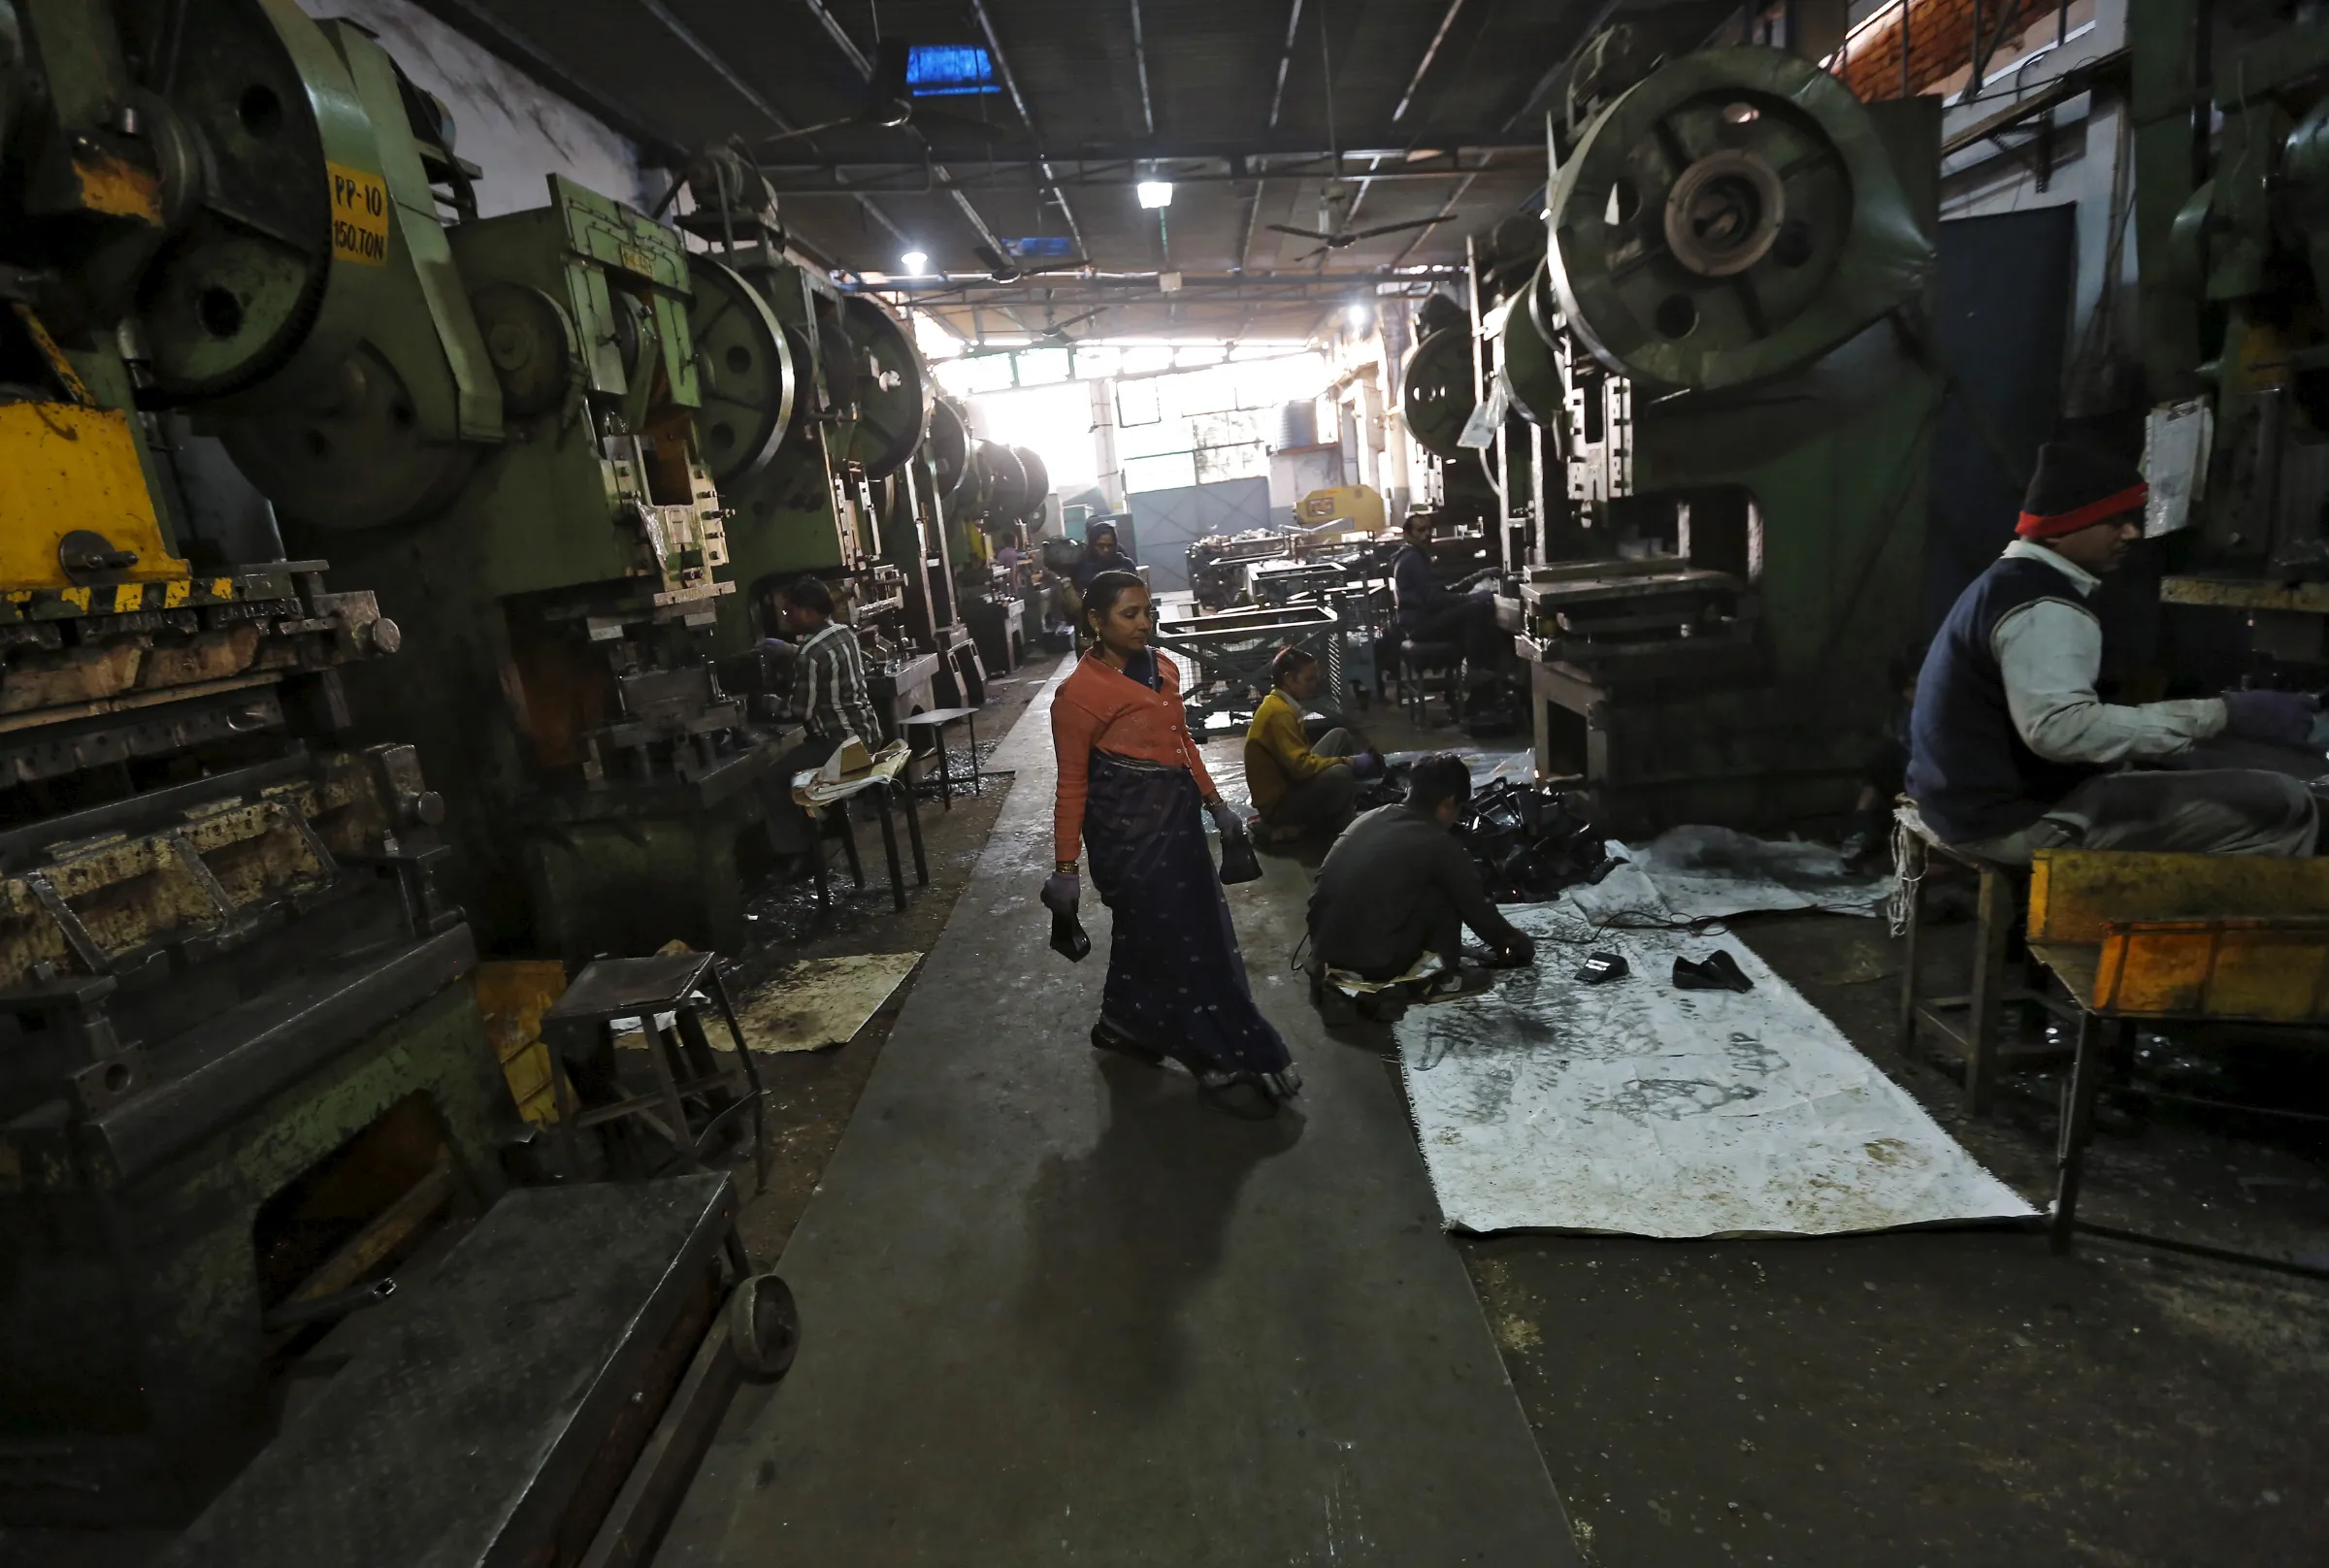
934,723
2163,938
697,1098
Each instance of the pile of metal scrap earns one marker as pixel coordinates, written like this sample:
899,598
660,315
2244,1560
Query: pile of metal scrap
1530,841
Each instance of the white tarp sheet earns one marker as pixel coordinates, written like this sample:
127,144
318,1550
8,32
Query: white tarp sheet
1638,1109
1706,874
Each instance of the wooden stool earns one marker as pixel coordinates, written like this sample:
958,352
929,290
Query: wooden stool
695,1100
1983,1001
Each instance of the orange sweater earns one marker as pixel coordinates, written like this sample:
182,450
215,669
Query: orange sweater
1099,708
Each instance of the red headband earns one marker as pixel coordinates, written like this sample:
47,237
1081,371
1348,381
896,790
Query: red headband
2034,526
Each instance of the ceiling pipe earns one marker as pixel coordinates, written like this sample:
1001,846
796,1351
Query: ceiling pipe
1148,113
1277,99
1425,64
1010,83
865,68
746,90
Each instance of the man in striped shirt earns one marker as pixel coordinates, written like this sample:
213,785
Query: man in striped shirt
828,696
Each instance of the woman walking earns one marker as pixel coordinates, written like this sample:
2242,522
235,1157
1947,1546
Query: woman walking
1131,787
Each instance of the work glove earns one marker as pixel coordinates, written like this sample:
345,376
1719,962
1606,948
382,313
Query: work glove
2276,718
1230,823
1517,953
1368,765
1061,892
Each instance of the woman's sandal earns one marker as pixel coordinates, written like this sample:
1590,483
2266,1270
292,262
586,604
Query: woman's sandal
1252,1097
1107,1037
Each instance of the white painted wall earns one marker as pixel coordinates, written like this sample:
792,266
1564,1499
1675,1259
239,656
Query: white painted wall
505,122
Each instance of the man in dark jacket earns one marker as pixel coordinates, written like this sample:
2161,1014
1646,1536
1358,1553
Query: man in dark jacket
1397,884
1432,612
2010,751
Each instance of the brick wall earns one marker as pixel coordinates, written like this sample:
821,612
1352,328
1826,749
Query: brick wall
1940,44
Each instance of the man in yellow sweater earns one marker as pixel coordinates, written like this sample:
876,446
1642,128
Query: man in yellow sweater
1299,785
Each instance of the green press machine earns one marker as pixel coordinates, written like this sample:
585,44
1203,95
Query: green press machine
507,451
817,427
2231,205
1708,414
237,1033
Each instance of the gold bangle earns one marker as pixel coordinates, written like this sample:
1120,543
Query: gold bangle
1063,868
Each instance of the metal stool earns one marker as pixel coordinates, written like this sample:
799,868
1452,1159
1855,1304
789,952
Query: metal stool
697,1100
1984,1003
833,817
1417,660
934,724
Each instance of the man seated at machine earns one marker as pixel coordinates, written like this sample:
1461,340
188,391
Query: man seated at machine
1398,885
829,697
1463,617
2010,751
1300,785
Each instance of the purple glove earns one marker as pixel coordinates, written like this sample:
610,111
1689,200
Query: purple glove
1226,819
1368,765
2276,718
1061,892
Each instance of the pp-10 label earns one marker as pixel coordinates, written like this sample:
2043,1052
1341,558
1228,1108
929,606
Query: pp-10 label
359,216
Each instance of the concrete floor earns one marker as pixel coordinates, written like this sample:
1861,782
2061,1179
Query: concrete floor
1056,1310
1936,1398
1017,1377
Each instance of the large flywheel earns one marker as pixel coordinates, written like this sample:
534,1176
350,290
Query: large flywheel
893,392
1436,393
285,190
744,368
1733,215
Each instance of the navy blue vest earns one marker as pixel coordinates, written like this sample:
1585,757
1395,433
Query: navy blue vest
1970,772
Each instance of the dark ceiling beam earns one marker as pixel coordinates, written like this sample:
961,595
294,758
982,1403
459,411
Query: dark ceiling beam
512,43
937,171
1002,65
801,178
1113,287
1423,65
1148,111
1376,143
1277,98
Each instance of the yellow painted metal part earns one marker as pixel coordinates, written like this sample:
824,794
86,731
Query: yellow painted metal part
69,468
2246,593
2076,895
117,188
2273,971
514,995
1358,504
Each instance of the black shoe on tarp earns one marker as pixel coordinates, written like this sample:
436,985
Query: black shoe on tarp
1717,971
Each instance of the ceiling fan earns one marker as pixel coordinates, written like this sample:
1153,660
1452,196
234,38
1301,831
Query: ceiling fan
1343,239
1057,331
1006,268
